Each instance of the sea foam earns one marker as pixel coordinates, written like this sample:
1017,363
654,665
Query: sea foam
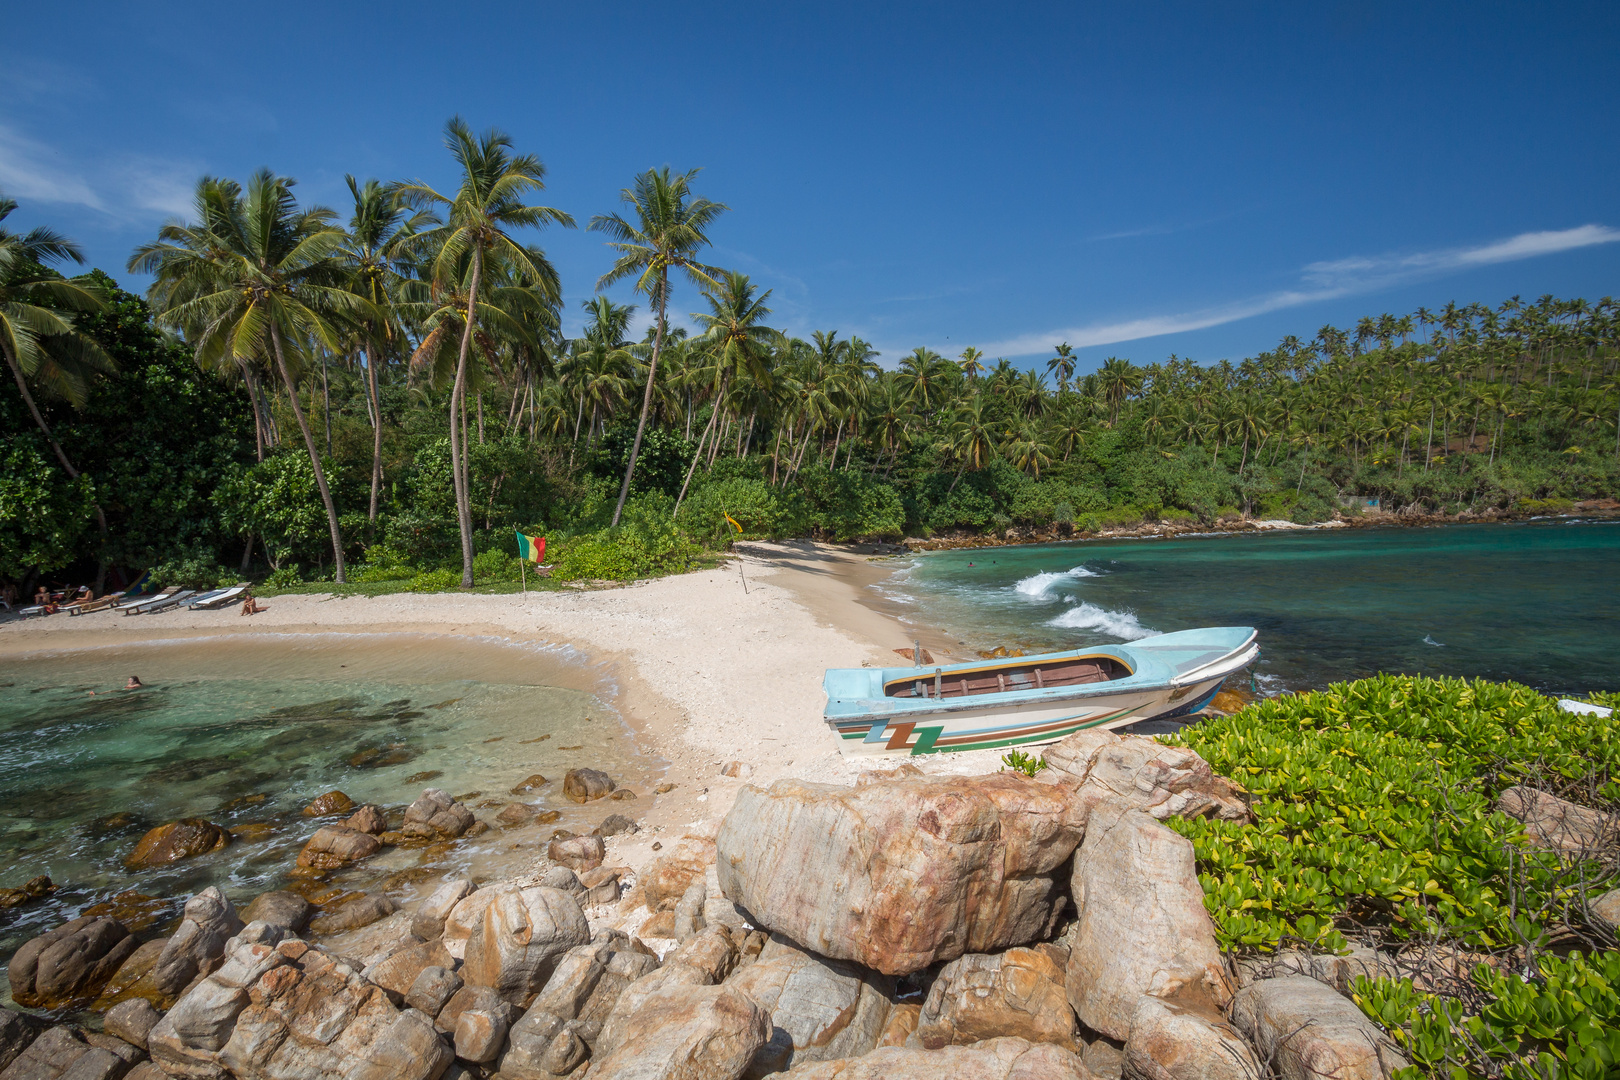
1120,624
1039,586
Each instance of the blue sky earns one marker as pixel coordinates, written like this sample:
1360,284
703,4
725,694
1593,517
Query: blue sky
1139,179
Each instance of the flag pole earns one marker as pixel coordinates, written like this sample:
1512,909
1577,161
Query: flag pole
524,567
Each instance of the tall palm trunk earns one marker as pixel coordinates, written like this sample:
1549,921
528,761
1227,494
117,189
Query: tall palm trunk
692,468
646,397
314,452
376,433
326,404
457,438
258,415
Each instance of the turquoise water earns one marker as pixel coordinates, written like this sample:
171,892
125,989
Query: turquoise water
1532,602
249,732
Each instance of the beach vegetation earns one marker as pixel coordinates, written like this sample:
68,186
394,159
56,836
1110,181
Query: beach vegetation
1375,820
296,390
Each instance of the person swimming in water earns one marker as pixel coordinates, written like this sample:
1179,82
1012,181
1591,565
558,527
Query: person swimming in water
134,683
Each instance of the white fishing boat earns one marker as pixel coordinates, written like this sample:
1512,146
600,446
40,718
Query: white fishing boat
1032,699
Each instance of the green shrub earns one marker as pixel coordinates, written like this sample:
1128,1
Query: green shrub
646,544
435,581
495,565
1562,1018
764,512
286,577
1374,801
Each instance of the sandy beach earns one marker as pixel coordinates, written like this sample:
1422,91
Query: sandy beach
704,671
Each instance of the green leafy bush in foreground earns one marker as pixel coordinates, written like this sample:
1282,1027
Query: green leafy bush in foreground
1373,806
1374,818
1564,1021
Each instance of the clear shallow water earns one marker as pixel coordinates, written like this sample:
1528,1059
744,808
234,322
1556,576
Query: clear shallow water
83,776
1534,602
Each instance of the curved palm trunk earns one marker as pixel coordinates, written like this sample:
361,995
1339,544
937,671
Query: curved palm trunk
314,453
646,397
376,434
692,468
457,414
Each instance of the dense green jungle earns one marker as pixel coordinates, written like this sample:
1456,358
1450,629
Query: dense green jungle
379,394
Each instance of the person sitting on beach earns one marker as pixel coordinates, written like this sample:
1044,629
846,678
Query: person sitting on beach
42,595
134,683
250,606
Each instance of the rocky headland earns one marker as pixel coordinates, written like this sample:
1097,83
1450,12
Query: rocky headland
913,924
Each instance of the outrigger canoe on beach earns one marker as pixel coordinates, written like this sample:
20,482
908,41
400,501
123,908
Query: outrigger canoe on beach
1032,699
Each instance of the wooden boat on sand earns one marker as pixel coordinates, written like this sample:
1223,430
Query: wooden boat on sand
1032,699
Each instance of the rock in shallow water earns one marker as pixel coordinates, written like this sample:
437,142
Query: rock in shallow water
900,874
435,814
185,839
585,785
70,963
337,846
333,802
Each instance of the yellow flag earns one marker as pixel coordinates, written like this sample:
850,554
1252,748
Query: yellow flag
734,524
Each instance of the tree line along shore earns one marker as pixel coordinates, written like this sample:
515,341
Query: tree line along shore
379,395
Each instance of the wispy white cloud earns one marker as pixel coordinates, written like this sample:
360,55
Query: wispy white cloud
128,188
30,170
1319,281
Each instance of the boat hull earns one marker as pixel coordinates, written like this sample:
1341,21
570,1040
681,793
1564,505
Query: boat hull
995,726
1032,699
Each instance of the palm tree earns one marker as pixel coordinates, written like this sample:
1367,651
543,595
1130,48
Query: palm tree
1062,365
1118,380
257,275
487,204
972,363
378,224
38,334
670,229
738,340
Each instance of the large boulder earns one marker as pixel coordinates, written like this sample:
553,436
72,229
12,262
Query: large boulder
1309,1031
1339,972
993,1059
668,878
687,1033
336,846
1551,822
132,1021
1142,924
399,971
290,1013
435,814
69,964
65,1052
279,908
522,935
1018,993
1164,781
901,874
1170,1042
177,840
198,946
17,1031
577,852
819,1008
587,982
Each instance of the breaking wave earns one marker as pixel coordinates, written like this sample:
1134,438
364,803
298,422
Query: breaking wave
1120,624
1039,586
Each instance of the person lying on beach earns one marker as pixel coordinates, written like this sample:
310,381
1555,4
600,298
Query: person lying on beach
250,606
134,683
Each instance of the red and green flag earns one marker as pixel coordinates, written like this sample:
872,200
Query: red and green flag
531,547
